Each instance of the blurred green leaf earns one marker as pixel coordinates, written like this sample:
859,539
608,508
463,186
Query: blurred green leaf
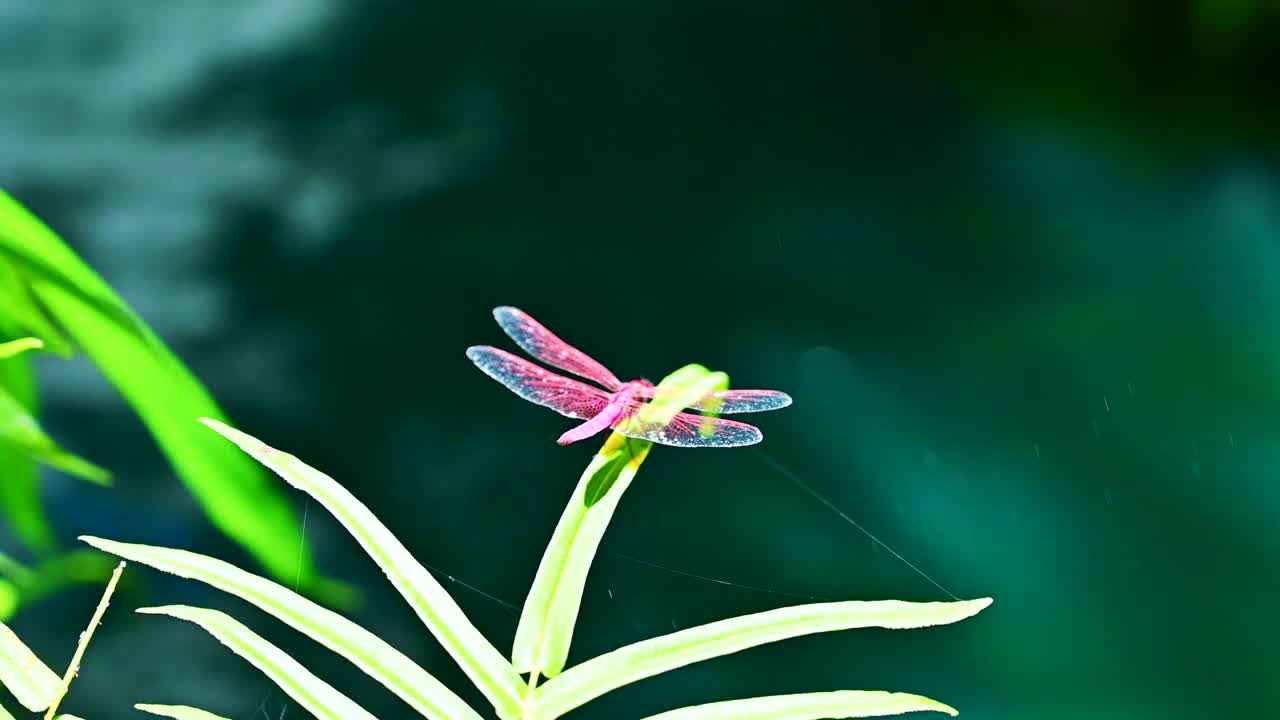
32,682
52,573
313,694
809,706
10,598
19,346
482,663
178,712
647,658
679,390
21,315
232,490
361,647
20,491
19,429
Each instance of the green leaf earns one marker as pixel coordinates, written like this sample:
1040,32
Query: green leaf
19,346
20,491
21,430
4,714
679,390
20,314
32,682
668,652
178,712
809,706
550,611
10,599
313,694
54,572
482,663
364,649
20,500
605,476
232,490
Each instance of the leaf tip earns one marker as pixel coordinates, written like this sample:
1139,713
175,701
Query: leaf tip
170,610
216,425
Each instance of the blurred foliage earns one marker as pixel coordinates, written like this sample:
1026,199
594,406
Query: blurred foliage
46,284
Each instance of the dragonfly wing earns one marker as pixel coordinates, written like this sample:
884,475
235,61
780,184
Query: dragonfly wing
743,401
543,345
564,395
688,430
727,402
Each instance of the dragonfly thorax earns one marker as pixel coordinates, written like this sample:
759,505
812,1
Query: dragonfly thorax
629,391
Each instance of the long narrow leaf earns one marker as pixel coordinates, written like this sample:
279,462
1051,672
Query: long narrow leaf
313,694
177,712
809,706
233,492
482,663
30,681
10,599
17,347
4,714
19,429
364,649
550,611
20,490
21,315
667,652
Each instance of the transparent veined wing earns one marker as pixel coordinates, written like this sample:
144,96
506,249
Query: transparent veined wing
543,345
727,402
687,429
566,396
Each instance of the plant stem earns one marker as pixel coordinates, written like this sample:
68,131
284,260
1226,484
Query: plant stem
85,637
526,711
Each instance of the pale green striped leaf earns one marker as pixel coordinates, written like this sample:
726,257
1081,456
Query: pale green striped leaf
30,681
668,652
177,712
551,609
313,694
809,706
364,649
482,663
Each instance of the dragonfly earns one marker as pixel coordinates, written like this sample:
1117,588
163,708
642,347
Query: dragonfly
614,404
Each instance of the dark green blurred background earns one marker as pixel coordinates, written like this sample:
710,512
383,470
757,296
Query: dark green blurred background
1017,262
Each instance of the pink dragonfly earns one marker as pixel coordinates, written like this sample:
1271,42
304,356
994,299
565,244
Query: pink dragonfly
619,401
